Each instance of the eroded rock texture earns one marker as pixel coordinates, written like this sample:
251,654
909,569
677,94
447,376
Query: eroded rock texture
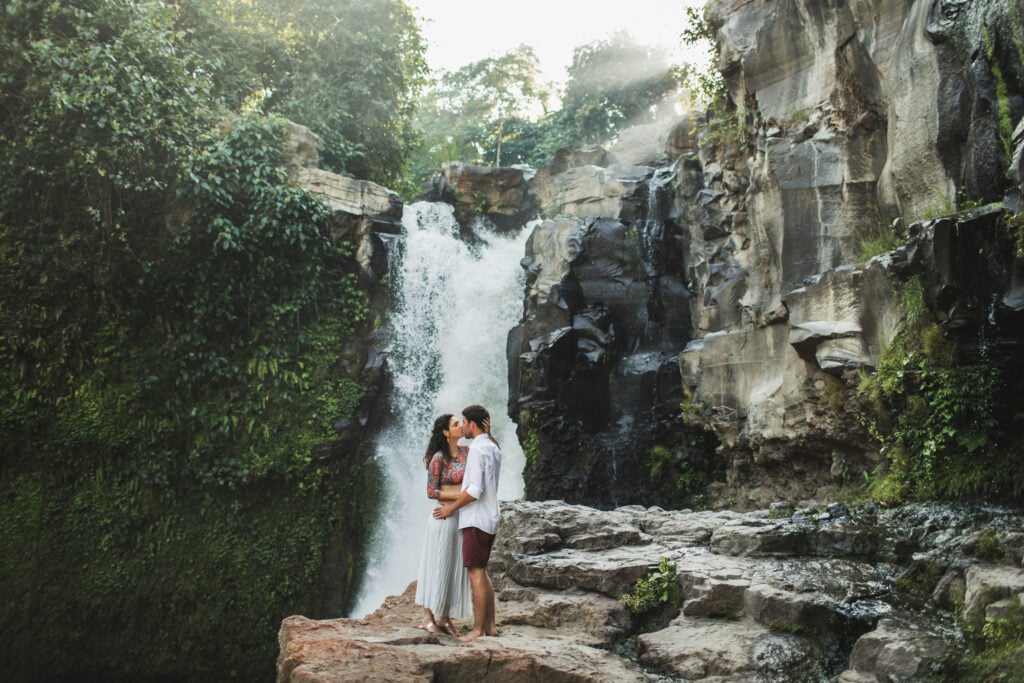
594,382
496,194
779,595
856,116
851,120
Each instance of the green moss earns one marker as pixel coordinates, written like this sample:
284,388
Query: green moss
1016,226
124,580
691,412
531,446
921,579
787,626
947,430
988,546
1005,120
995,651
674,477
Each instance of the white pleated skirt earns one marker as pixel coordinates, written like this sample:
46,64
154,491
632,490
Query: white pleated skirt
443,583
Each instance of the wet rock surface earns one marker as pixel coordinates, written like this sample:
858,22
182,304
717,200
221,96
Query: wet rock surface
593,365
498,194
738,250
761,599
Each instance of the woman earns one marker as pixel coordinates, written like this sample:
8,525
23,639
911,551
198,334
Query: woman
443,583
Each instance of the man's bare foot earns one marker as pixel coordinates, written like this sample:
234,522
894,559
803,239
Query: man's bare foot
493,633
471,636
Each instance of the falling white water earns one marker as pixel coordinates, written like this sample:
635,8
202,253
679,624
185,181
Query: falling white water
453,308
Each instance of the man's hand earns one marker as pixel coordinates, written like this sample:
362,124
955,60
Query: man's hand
442,511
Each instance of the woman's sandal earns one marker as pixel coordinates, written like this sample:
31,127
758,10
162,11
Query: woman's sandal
432,627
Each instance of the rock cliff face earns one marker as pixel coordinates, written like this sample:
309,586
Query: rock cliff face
593,373
733,247
779,595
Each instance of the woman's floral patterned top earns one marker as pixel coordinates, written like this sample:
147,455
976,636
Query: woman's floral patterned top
440,474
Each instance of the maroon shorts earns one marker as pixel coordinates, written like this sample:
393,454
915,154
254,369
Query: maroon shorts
476,547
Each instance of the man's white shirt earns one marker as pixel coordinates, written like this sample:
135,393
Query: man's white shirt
483,468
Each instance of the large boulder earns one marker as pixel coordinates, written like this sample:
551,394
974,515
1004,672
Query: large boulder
499,194
587,190
544,638
593,380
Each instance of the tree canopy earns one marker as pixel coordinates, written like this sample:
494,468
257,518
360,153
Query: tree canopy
172,309
615,83
496,112
476,113
350,70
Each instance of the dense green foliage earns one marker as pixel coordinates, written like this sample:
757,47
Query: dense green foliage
347,69
946,428
472,113
995,651
172,312
496,112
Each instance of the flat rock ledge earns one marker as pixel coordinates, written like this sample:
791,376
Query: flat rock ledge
854,596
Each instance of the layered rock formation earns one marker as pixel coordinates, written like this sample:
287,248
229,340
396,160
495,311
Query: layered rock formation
498,195
774,595
594,383
735,247
856,117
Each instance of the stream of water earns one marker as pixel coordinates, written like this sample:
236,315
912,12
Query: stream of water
453,306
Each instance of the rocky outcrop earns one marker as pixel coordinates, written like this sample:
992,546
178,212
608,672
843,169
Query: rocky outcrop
498,194
594,384
771,595
365,213
850,121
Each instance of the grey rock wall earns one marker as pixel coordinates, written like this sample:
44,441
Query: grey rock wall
852,120
856,117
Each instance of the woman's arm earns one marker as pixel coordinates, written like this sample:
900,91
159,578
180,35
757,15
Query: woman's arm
449,492
434,478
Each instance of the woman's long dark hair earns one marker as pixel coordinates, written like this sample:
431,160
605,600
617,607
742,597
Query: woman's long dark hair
438,441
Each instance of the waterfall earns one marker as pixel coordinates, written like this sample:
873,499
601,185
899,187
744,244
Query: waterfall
652,227
453,305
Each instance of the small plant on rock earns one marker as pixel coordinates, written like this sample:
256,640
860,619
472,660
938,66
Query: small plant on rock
656,590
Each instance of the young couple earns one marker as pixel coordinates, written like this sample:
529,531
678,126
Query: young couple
460,531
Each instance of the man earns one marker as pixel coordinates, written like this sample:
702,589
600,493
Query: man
477,506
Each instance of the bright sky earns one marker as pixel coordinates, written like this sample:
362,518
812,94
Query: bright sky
459,32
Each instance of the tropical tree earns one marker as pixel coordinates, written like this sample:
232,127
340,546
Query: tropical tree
172,309
478,113
350,70
614,83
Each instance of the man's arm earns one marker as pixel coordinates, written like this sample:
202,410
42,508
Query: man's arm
472,486
449,509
